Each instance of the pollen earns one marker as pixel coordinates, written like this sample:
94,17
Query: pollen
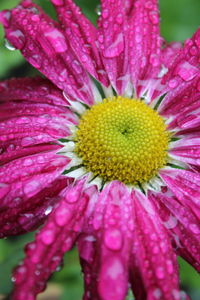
122,139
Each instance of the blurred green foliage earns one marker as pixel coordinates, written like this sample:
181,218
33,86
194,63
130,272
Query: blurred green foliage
179,20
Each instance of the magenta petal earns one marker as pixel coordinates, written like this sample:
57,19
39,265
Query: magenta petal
144,45
44,45
35,89
185,67
24,218
104,249
26,177
82,37
57,236
187,150
182,224
180,101
112,36
185,185
153,255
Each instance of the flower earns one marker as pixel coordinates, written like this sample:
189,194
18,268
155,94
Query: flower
113,169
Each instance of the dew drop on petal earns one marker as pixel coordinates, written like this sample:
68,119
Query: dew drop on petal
113,239
72,195
173,83
194,228
160,272
9,46
98,9
48,237
48,210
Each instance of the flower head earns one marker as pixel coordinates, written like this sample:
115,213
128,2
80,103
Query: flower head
113,168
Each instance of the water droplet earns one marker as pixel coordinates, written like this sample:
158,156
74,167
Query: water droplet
160,272
194,228
157,293
48,210
171,222
57,40
113,239
173,83
16,38
154,18
31,188
9,46
47,237
72,195
115,48
62,216
27,162
98,9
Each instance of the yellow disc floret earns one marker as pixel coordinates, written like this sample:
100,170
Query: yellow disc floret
122,139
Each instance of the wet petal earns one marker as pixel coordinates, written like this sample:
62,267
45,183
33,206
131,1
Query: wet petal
105,247
185,185
187,150
45,254
82,37
183,226
35,89
112,35
22,218
44,45
152,256
186,65
144,45
27,177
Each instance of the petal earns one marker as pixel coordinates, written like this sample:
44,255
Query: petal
112,36
179,100
20,219
186,65
144,45
43,44
187,150
170,52
82,37
25,179
153,256
183,225
185,185
105,247
57,236
35,89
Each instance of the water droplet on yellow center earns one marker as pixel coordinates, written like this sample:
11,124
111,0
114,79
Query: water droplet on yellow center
122,139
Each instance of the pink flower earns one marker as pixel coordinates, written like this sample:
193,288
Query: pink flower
119,178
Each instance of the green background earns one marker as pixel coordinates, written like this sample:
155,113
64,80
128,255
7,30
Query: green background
179,20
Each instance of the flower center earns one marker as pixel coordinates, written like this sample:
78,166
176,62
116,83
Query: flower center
122,139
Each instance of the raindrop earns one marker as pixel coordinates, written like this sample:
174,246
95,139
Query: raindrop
48,210
98,9
9,46
113,239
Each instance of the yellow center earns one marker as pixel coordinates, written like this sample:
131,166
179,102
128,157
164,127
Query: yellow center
122,139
